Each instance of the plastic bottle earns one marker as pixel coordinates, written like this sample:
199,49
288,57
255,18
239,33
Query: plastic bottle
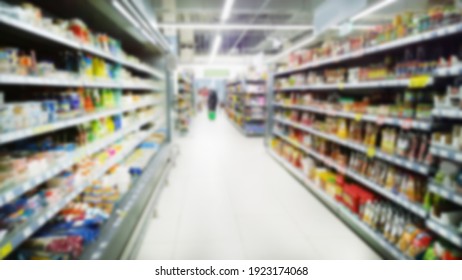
110,125
94,131
123,179
89,106
118,98
96,98
117,122
82,101
74,99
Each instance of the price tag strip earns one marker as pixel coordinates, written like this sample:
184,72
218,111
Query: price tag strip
447,193
446,152
444,231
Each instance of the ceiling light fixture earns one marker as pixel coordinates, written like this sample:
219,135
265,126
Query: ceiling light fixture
147,25
125,13
127,10
215,47
372,9
211,26
227,10
148,37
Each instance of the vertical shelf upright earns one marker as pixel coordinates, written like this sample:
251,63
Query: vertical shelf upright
184,103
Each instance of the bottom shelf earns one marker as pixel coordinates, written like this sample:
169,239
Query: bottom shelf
117,235
246,132
375,239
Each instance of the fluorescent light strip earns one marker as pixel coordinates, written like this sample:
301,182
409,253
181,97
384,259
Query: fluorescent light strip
125,13
154,40
211,26
145,26
372,9
148,37
215,47
227,10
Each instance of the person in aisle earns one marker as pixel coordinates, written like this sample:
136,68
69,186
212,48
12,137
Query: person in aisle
212,104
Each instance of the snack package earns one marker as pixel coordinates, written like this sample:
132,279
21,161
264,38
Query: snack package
419,245
409,234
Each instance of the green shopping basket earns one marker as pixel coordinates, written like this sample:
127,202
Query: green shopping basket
212,115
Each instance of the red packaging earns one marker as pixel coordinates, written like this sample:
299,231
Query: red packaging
354,197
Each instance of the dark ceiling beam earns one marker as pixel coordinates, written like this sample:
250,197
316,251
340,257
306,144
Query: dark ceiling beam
256,15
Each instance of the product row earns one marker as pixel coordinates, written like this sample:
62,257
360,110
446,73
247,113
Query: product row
402,26
22,160
258,88
401,229
408,144
252,107
398,104
394,179
64,65
75,29
259,101
391,68
31,109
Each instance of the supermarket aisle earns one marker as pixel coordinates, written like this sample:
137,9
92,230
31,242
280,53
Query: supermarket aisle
227,199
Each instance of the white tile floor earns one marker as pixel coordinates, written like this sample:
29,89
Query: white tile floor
228,199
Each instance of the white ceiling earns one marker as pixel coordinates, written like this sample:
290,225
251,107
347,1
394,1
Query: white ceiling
252,42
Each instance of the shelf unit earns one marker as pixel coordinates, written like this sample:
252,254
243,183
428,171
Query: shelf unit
184,102
246,105
144,98
402,83
43,34
293,117
385,47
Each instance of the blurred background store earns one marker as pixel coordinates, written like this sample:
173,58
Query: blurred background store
335,135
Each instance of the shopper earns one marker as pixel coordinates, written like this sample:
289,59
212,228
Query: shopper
212,103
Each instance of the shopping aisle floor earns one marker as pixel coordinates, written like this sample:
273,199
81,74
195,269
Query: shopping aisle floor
228,199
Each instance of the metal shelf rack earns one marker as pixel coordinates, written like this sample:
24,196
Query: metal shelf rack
135,202
436,121
246,106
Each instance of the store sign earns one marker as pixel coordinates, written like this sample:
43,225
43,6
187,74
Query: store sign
332,12
216,73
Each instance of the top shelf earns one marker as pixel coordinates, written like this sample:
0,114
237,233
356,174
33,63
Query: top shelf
426,36
52,37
